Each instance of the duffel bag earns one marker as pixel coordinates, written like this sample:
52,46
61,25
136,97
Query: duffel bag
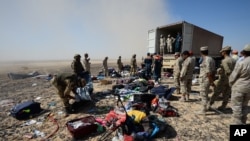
25,110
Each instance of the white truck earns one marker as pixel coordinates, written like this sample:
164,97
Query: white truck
193,37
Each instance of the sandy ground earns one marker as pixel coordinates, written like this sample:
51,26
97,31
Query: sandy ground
189,126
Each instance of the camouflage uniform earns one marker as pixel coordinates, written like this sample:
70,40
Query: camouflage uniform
133,65
105,66
227,66
162,44
120,65
206,67
77,65
65,83
86,63
240,82
186,77
193,62
177,70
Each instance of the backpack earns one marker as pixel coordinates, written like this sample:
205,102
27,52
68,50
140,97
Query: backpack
25,110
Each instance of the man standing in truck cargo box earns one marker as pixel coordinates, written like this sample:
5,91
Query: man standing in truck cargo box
227,66
170,41
207,69
178,40
162,44
177,69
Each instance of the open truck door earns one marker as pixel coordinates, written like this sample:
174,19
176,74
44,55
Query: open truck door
151,41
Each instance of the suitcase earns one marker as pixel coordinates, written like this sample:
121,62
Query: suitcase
82,127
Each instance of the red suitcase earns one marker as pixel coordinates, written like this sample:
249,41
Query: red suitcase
81,127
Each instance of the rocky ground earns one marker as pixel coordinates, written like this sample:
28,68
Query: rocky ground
189,126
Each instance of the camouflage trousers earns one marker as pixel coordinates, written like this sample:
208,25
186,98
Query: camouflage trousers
177,81
106,71
186,85
204,90
133,70
239,104
225,89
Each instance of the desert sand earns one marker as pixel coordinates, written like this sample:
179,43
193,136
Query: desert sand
189,126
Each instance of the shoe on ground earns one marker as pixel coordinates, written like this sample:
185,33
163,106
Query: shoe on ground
183,99
209,108
201,112
221,108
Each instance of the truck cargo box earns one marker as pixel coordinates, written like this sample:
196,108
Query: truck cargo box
193,37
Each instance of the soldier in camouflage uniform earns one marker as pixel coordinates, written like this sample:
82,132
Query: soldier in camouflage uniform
77,66
240,82
66,83
176,70
207,70
105,66
186,75
133,65
120,65
193,62
227,66
86,62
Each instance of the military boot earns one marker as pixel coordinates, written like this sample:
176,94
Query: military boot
221,108
177,91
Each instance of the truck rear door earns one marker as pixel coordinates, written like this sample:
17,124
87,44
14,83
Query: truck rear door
187,36
151,41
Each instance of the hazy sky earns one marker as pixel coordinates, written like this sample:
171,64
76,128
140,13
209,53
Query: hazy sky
58,29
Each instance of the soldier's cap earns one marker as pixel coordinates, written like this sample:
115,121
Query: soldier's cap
86,54
204,48
120,57
177,53
226,48
77,56
247,47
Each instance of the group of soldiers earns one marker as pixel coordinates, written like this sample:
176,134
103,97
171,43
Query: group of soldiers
152,65
233,80
65,83
169,43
